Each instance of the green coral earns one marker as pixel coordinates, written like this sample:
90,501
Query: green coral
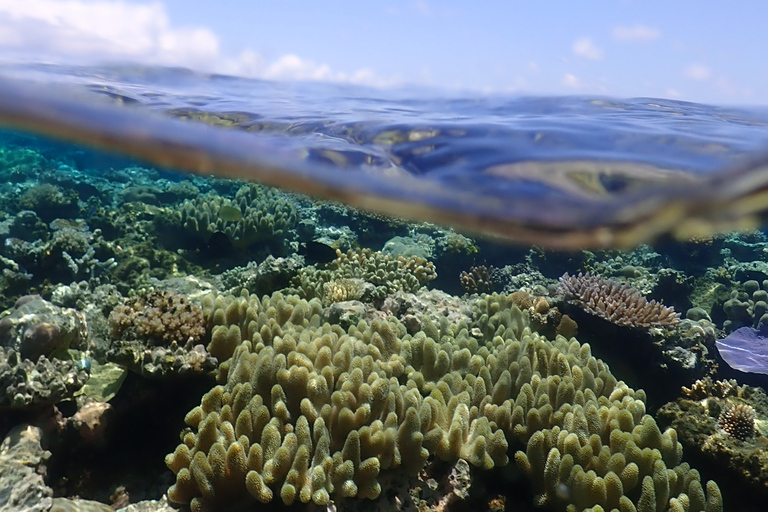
263,214
310,412
388,274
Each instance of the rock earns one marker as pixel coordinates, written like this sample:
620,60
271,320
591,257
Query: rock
22,488
35,327
78,505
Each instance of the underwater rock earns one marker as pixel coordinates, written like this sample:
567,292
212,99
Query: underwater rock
35,327
347,313
47,381
22,458
746,349
733,444
407,246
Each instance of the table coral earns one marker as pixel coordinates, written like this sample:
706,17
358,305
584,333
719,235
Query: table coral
315,413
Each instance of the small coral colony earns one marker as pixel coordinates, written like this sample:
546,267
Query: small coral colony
293,351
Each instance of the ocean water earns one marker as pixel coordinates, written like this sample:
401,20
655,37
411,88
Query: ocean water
481,285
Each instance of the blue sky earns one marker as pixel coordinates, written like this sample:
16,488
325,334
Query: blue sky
704,51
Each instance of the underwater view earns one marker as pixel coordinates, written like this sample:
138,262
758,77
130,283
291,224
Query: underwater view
226,294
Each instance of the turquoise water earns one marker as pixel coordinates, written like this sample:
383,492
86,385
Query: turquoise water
458,219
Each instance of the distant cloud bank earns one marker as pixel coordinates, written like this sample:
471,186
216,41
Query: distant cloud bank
93,32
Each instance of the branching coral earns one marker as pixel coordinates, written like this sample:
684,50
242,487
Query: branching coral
616,302
159,317
477,280
315,413
386,273
257,213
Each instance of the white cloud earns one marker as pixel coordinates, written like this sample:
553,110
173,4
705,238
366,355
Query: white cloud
585,47
571,81
102,29
635,33
96,31
698,72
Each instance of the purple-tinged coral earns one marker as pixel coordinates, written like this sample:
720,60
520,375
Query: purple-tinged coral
746,349
616,302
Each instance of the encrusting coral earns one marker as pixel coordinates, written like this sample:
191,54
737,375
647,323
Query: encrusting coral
616,302
309,412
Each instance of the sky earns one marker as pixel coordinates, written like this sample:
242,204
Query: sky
702,51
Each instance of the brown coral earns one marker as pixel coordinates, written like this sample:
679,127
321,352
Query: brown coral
616,302
477,280
159,317
738,421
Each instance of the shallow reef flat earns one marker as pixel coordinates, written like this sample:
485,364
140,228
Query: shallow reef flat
173,341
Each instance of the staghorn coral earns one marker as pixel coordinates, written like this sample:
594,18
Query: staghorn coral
616,302
316,413
263,213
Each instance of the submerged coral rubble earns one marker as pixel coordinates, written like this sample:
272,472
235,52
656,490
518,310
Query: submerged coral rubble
309,412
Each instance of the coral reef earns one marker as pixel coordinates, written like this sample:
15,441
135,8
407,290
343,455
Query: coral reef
316,413
738,421
386,273
725,424
159,333
159,317
342,290
747,306
616,302
257,213
477,280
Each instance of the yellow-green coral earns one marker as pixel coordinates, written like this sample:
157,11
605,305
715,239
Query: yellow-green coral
388,274
342,290
264,213
313,411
